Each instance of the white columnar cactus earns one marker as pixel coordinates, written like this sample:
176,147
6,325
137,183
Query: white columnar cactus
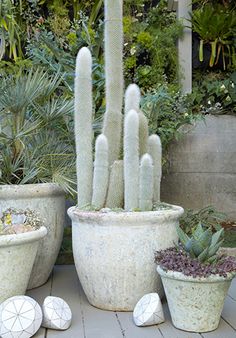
132,98
146,183
101,172
124,188
115,195
131,159
83,126
143,133
132,101
114,76
155,150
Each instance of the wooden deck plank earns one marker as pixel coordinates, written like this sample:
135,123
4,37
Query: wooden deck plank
169,331
39,294
99,323
229,312
65,285
90,322
224,330
130,330
232,289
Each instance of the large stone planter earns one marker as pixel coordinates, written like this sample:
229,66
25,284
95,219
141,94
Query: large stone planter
17,256
114,253
49,200
195,304
202,166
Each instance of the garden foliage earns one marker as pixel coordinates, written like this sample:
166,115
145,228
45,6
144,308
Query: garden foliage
45,36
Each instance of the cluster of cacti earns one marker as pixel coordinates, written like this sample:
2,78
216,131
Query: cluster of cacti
202,245
133,183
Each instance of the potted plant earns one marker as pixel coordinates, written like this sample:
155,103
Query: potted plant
196,279
119,218
20,234
36,157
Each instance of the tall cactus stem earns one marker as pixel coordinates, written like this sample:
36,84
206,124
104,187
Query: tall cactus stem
101,172
114,76
132,101
83,126
132,98
131,159
115,195
146,183
143,133
155,150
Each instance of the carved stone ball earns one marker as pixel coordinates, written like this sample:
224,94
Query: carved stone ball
56,313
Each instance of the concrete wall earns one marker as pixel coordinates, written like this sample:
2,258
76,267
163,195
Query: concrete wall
202,167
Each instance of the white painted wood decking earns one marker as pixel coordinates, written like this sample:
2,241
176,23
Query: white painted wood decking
90,322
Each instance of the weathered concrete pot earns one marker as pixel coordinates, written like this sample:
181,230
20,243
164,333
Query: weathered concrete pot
202,166
49,200
195,304
114,253
17,256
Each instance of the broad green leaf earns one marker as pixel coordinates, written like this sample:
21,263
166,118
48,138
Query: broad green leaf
182,235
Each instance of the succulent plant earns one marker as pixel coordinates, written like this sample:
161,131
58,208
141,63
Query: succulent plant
203,244
112,182
14,221
197,256
176,259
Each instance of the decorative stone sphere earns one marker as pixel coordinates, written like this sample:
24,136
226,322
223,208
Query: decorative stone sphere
56,313
20,317
148,310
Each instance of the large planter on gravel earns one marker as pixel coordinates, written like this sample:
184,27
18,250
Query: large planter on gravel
195,303
202,166
17,256
114,253
49,200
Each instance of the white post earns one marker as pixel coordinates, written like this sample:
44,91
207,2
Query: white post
184,9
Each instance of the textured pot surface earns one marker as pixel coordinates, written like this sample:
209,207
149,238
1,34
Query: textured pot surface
49,200
195,304
114,253
202,166
17,256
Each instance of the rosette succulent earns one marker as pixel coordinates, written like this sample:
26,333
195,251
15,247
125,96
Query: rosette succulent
203,244
197,255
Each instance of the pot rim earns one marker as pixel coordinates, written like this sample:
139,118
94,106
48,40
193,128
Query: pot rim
177,275
23,238
18,191
130,216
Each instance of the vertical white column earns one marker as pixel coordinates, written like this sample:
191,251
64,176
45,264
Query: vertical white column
184,9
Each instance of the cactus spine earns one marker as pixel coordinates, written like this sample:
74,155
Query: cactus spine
131,159
146,183
115,195
114,76
154,149
101,172
83,126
